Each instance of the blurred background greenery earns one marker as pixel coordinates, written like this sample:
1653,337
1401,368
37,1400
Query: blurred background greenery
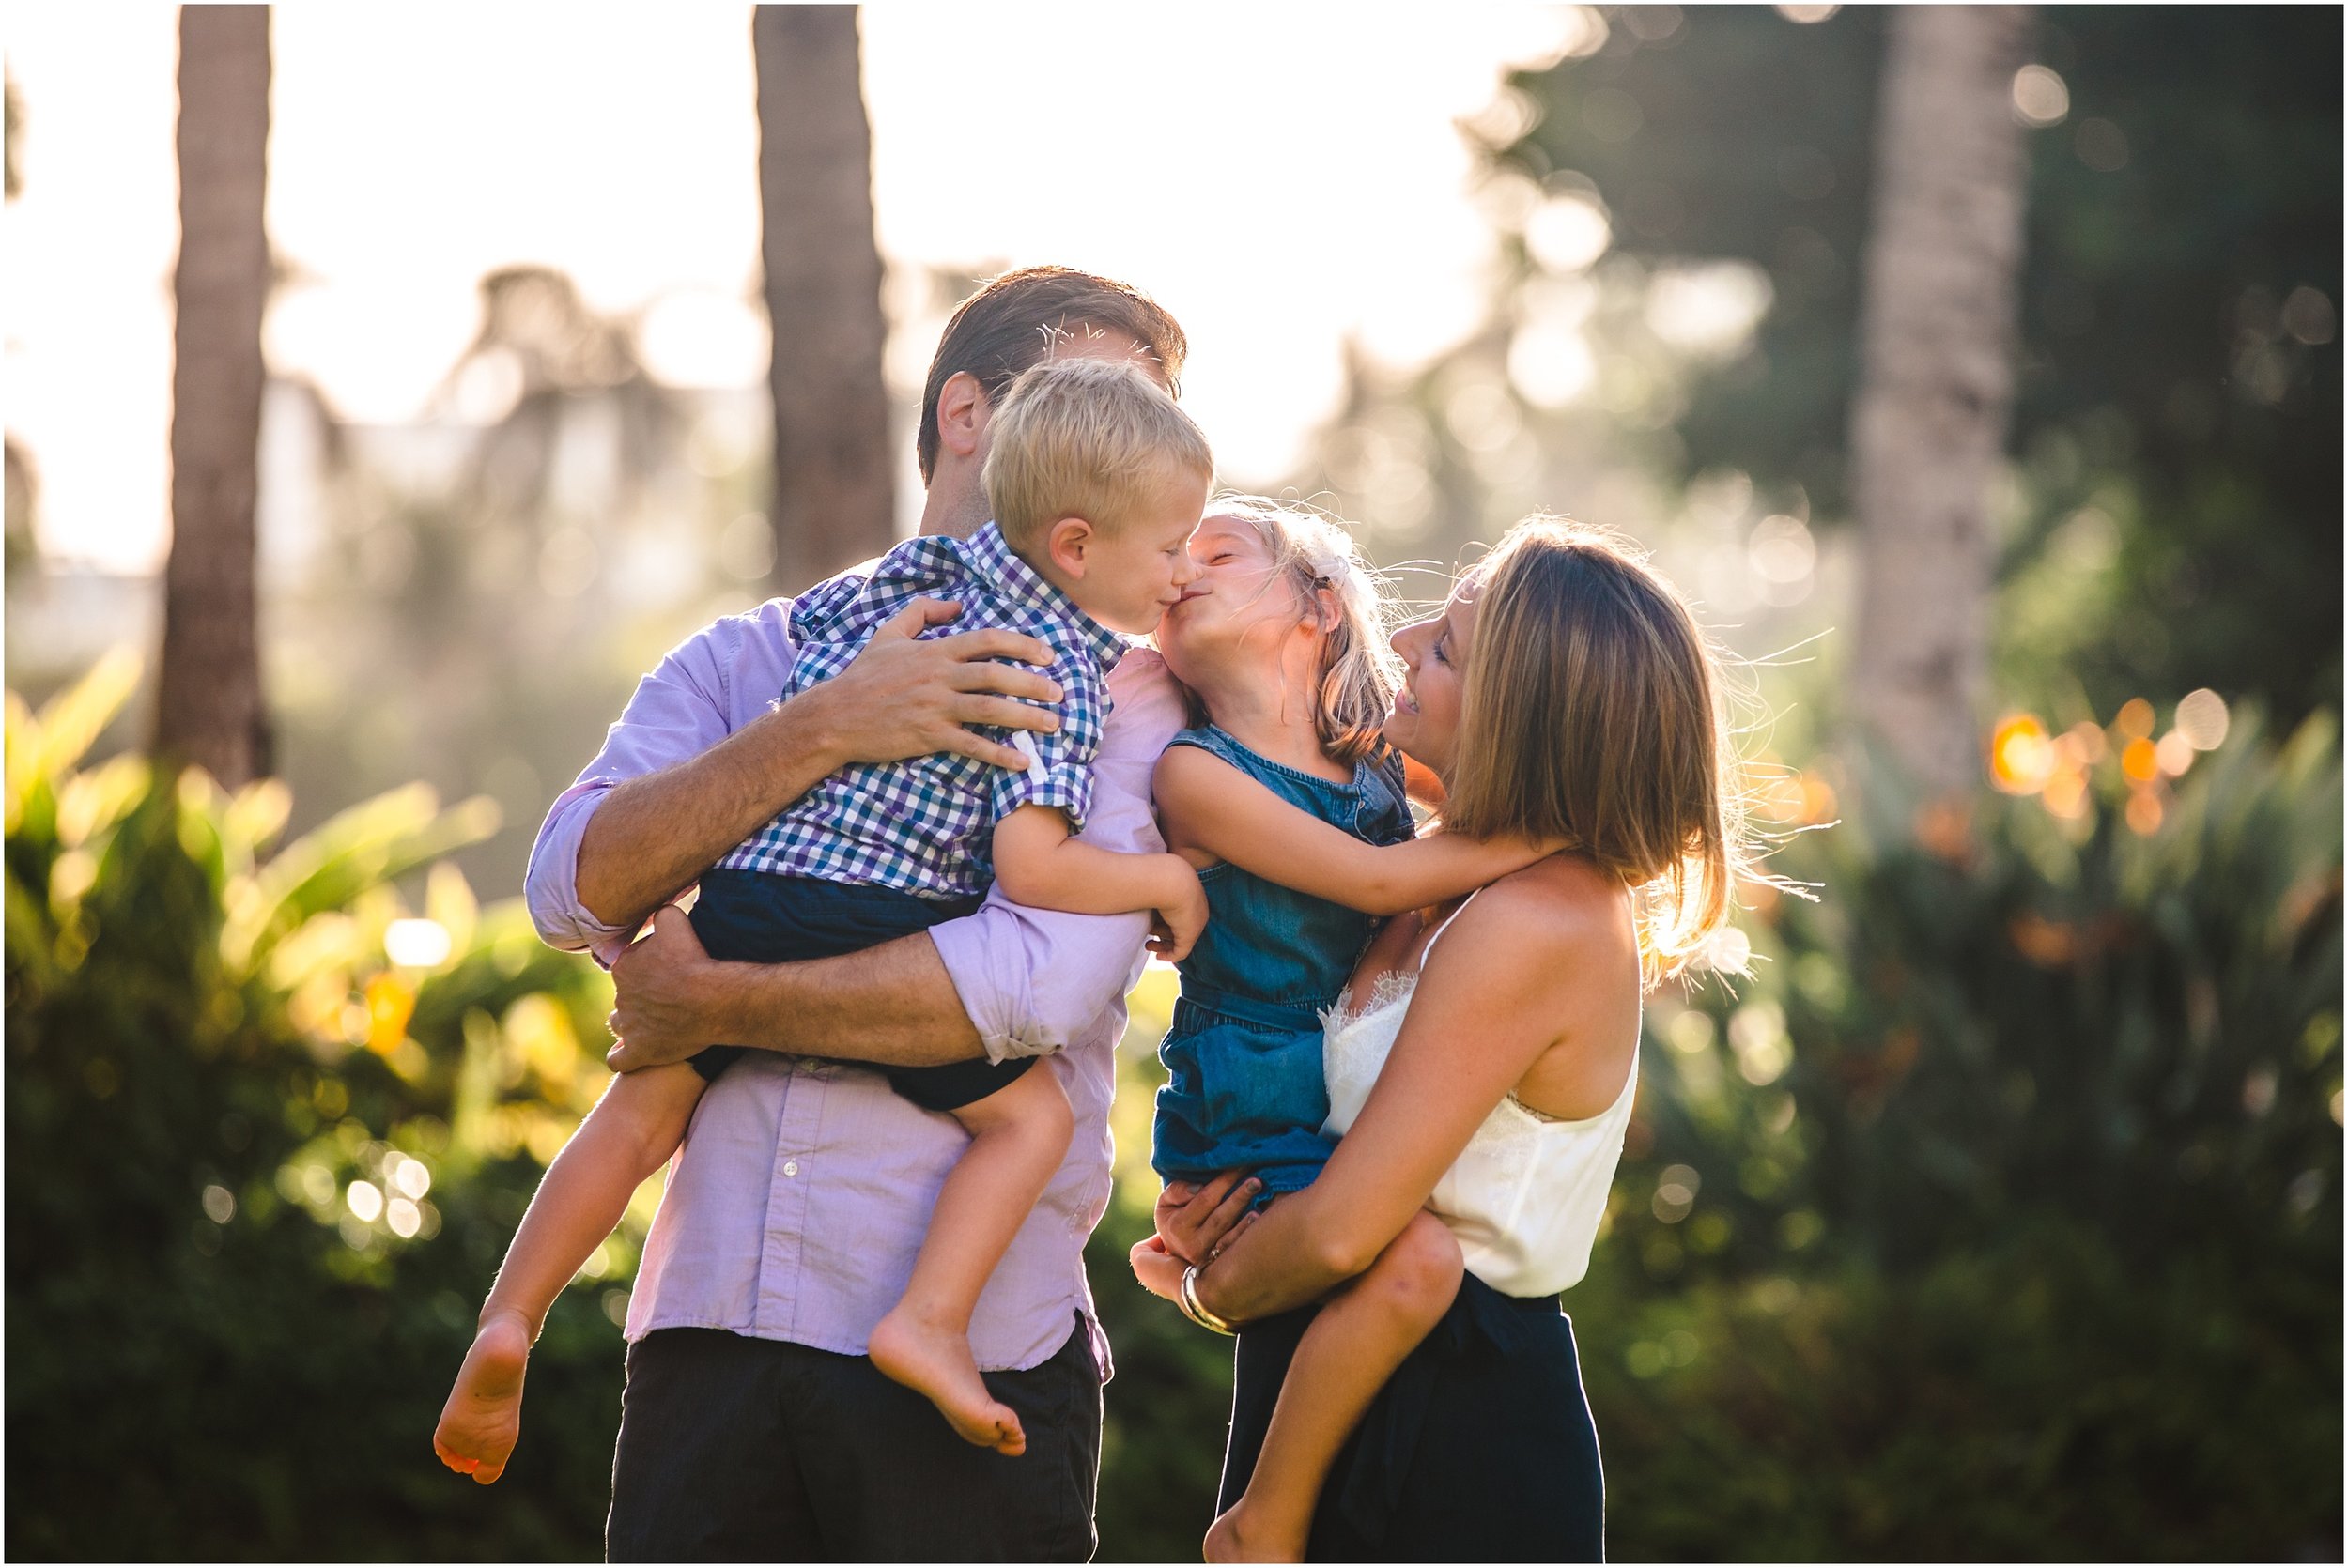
1997,1214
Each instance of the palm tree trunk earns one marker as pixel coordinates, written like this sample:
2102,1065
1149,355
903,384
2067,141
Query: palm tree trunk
1928,423
833,501
208,705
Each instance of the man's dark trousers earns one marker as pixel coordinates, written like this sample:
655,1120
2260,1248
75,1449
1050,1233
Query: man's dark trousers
735,1449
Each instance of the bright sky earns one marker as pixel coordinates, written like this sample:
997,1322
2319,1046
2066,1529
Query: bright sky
1280,177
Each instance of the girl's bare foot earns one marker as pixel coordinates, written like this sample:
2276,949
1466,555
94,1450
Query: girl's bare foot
1236,1538
934,1360
483,1413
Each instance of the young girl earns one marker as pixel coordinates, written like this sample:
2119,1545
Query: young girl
1288,797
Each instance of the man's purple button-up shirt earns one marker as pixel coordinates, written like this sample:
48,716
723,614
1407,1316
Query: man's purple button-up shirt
804,1188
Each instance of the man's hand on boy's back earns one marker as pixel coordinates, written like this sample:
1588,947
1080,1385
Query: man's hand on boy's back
906,696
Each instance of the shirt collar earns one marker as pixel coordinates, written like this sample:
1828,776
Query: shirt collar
1019,583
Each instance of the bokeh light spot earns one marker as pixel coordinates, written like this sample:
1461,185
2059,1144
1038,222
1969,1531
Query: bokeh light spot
1728,951
2040,96
415,943
2101,145
2066,793
2203,719
2021,757
1550,364
1690,1032
1567,233
1756,1032
1782,549
2308,316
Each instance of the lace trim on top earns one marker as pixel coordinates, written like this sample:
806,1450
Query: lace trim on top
1394,989
1395,986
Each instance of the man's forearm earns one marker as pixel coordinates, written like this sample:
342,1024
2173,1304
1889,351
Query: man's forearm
652,835
893,1006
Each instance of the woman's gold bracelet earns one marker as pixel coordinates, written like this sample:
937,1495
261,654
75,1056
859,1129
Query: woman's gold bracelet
1196,1313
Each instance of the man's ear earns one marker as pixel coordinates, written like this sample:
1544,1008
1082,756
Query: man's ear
1069,544
963,412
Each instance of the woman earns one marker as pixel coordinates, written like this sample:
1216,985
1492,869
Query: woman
1484,1060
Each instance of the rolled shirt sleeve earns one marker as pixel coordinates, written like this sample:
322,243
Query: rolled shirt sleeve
707,686
1032,980
1061,763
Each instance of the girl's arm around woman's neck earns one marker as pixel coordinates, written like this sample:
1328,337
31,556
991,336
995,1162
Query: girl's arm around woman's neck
1532,964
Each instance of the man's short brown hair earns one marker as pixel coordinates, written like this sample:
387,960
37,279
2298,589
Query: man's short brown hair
1009,324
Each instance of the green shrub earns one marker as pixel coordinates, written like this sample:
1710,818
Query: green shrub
1998,1214
2038,1399
219,1345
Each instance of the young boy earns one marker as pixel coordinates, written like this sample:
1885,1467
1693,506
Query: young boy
1096,480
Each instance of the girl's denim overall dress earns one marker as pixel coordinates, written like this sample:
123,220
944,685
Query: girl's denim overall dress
1243,1053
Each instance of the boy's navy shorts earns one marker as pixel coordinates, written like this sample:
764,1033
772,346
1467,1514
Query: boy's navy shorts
755,917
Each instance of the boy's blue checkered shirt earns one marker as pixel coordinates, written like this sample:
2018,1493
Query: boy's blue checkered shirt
926,825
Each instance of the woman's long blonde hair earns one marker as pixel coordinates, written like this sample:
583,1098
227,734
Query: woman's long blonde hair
1315,558
1595,712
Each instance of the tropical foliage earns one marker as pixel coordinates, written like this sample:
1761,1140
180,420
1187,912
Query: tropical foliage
261,1170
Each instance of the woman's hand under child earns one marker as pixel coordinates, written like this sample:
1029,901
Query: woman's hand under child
1194,1218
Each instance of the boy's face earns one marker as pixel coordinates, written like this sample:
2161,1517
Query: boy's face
1134,573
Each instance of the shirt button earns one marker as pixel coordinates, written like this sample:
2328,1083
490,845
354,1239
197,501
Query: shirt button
790,1167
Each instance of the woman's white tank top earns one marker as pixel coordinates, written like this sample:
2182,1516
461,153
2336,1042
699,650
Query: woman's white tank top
1525,1198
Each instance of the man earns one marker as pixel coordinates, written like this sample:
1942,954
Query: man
753,1425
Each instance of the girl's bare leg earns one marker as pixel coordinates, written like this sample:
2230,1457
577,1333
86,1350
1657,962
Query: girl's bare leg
1018,1137
635,1126
1346,1356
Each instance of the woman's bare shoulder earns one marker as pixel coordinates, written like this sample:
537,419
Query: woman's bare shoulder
1541,937
1561,904
1572,941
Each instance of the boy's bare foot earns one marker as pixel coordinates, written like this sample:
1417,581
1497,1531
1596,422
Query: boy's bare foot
1230,1540
935,1360
483,1413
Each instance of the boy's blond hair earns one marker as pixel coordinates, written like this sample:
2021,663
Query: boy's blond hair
1090,439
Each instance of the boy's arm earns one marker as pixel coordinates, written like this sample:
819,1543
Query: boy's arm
1210,804
1039,864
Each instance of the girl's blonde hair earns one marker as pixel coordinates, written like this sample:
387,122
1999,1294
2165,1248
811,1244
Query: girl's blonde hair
1595,711
1316,558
